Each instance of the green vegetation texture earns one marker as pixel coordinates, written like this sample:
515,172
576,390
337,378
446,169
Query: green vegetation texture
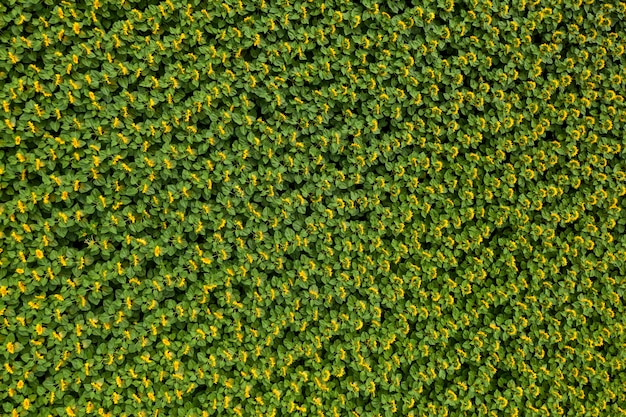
262,208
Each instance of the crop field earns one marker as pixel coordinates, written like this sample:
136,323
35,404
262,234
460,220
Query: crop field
336,208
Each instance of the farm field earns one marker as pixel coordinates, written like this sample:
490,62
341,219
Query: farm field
306,208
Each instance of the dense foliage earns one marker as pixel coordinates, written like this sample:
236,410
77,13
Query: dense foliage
297,207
